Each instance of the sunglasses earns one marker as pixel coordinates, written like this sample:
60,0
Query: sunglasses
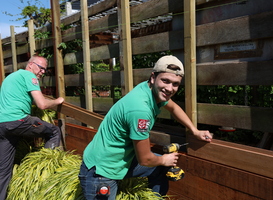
41,67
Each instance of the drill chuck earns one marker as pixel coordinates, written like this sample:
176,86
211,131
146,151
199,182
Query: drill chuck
173,147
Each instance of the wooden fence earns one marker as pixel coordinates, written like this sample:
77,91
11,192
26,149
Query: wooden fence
233,46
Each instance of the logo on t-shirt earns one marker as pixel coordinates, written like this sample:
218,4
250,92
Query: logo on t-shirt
143,125
34,81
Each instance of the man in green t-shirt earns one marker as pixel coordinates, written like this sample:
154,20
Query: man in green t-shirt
18,91
121,147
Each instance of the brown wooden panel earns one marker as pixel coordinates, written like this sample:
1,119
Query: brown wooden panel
235,179
93,10
235,73
244,117
196,188
90,118
78,137
236,29
258,161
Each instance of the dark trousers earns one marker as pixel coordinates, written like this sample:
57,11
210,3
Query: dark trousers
11,133
90,181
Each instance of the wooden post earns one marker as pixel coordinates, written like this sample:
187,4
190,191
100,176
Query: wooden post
125,44
58,60
86,56
190,59
31,38
13,49
2,67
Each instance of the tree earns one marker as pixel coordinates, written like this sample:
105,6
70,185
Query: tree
35,10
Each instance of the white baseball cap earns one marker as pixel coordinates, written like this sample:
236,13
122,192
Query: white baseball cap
162,65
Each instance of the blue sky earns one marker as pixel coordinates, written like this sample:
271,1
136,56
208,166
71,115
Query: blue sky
14,7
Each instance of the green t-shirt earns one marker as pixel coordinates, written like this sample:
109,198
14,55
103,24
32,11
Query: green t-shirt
131,118
15,97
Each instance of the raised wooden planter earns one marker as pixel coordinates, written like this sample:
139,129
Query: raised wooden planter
204,180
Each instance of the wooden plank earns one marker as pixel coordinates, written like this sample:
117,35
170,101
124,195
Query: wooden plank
125,46
236,73
236,29
238,156
19,50
80,114
190,59
244,117
86,56
78,137
2,67
31,38
155,8
13,49
58,60
196,188
201,175
92,10
99,53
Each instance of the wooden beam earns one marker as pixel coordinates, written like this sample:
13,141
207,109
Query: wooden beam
92,10
244,117
242,157
31,38
235,73
58,60
86,56
190,59
55,12
80,114
13,49
125,44
2,67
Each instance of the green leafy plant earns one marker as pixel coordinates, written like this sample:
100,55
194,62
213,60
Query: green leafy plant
136,188
46,174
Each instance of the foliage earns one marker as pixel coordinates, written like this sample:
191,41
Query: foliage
40,16
35,10
260,96
46,174
147,60
136,188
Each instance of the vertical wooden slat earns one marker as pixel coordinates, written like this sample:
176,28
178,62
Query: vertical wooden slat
86,56
13,49
190,59
2,67
126,43
58,59
31,38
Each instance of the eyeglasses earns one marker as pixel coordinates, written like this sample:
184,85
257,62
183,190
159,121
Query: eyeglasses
41,67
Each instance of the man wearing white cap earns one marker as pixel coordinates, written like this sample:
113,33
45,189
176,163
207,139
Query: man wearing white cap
121,147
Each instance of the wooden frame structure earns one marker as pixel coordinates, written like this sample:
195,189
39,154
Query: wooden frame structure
220,170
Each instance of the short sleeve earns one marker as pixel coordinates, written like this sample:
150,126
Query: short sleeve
140,123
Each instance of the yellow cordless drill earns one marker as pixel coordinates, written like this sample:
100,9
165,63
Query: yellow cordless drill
174,173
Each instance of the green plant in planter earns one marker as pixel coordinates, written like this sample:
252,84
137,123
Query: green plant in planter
46,174
136,188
